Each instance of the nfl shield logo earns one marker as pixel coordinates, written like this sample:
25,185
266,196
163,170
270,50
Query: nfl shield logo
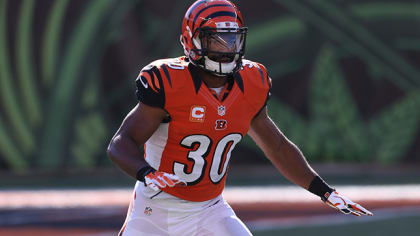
148,211
221,110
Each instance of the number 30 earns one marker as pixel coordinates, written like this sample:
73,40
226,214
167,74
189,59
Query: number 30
223,148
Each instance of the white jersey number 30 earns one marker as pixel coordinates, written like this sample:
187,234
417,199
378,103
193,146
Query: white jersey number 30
223,149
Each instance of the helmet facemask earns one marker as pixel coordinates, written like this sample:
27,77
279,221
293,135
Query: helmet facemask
221,50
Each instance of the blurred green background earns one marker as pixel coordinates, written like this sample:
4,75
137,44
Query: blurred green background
345,76
346,89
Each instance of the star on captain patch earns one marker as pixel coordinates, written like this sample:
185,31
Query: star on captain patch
221,110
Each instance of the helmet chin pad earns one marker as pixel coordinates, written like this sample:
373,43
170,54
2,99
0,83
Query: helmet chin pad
219,68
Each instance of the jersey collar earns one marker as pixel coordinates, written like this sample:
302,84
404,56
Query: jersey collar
197,80
195,76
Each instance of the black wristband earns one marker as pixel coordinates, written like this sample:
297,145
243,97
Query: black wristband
142,172
320,188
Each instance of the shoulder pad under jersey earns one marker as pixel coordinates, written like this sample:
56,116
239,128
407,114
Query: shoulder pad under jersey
262,79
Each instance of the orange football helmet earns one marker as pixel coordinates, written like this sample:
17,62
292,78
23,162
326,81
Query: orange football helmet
213,36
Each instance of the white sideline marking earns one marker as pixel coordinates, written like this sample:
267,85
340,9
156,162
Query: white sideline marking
297,194
59,198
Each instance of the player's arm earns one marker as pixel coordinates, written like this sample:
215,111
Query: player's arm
138,126
289,160
124,148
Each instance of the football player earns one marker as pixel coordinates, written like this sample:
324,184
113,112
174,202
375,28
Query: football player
192,112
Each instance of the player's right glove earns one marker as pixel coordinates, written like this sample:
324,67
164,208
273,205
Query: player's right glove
157,180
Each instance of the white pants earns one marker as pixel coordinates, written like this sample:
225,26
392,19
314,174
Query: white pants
163,214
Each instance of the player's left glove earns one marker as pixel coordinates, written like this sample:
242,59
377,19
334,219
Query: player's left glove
157,180
334,199
345,205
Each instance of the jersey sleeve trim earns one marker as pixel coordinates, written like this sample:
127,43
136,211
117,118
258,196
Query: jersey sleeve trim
150,89
168,77
261,73
264,76
158,77
150,81
265,104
